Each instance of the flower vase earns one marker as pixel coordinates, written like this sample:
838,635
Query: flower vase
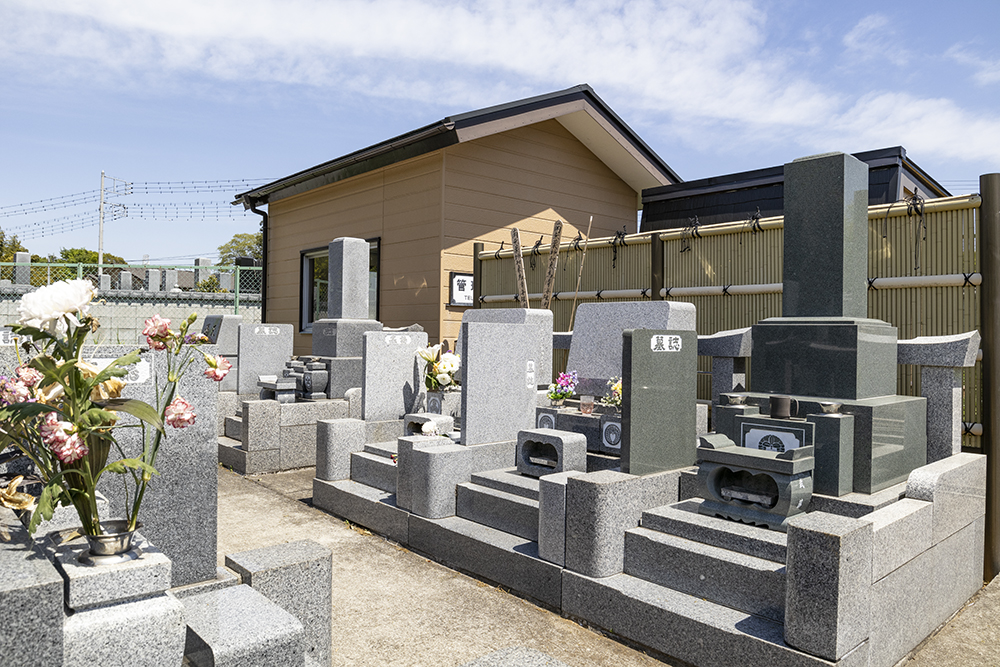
114,545
556,402
435,402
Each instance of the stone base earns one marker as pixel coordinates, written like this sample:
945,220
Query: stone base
340,337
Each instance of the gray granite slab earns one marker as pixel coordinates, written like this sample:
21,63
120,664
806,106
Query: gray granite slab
539,320
833,441
659,394
730,343
238,626
297,446
297,577
543,451
341,337
829,578
600,507
261,425
263,350
31,595
428,423
552,516
729,374
336,440
308,413
508,480
434,471
150,632
754,585
950,351
942,387
901,531
393,374
825,237
504,511
348,269
499,380
596,350
957,488
363,505
224,578
223,331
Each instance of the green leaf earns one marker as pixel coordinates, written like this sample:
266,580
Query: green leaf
136,408
118,367
19,412
96,417
121,466
32,332
46,504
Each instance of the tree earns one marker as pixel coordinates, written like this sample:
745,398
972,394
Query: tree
82,256
9,246
242,245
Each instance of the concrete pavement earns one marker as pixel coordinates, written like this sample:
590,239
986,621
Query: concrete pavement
394,607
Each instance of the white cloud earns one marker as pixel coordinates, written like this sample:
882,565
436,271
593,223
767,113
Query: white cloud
703,69
875,38
987,71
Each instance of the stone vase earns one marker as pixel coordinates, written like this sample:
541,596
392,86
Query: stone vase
435,402
556,402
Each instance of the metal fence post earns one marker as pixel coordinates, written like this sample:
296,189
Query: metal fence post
236,291
989,265
655,266
477,274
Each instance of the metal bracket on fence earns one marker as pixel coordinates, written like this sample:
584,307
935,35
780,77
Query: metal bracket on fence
666,292
496,255
691,229
618,240
555,296
754,223
966,279
967,428
871,284
725,289
598,295
645,292
535,252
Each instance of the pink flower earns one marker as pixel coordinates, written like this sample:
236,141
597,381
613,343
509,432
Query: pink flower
179,413
73,449
53,431
155,344
218,367
29,376
156,326
14,391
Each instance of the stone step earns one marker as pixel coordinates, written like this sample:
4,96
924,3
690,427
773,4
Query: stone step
374,470
238,626
386,449
886,449
750,584
234,427
597,462
696,631
508,480
683,520
363,505
504,511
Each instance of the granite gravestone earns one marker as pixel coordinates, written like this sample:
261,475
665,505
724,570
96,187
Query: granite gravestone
541,320
340,333
263,350
499,380
823,351
223,331
659,399
179,510
393,374
595,352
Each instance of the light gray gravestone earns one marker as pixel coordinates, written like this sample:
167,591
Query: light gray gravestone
541,320
125,280
169,279
22,274
201,274
499,381
393,374
340,333
153,280
263,350
659,394
596,349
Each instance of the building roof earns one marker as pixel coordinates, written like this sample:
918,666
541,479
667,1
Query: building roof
578,109
733,196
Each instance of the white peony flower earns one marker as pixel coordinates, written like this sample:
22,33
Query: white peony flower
449,363
49,308
444,379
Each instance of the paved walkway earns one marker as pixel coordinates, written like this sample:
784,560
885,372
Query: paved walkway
393,607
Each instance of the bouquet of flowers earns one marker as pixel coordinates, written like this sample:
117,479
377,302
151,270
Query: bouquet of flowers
614,395
563,387
442,366
62,412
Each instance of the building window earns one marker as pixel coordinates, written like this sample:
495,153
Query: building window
315,284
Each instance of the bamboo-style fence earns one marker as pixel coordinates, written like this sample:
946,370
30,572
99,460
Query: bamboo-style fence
923,278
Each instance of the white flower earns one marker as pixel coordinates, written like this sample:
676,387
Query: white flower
444,379
430,354
449,363
49,308
429,428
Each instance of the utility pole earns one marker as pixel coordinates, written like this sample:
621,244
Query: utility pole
100,232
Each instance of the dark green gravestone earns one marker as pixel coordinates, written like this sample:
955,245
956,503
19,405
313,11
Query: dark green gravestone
659,397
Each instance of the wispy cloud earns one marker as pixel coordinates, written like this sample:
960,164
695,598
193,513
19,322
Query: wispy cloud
875,38
704,69
986,71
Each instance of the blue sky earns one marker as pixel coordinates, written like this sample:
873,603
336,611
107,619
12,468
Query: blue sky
257,89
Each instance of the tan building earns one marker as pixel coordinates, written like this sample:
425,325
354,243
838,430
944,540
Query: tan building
422,199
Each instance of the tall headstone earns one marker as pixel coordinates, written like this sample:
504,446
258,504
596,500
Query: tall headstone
541,320
169,280
22,272
180,509
124,280
341,333
499,380
263,350
595,352
393,374
201,274
659,399
223,331
153,280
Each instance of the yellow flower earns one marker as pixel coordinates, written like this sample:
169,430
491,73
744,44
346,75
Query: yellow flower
110,388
